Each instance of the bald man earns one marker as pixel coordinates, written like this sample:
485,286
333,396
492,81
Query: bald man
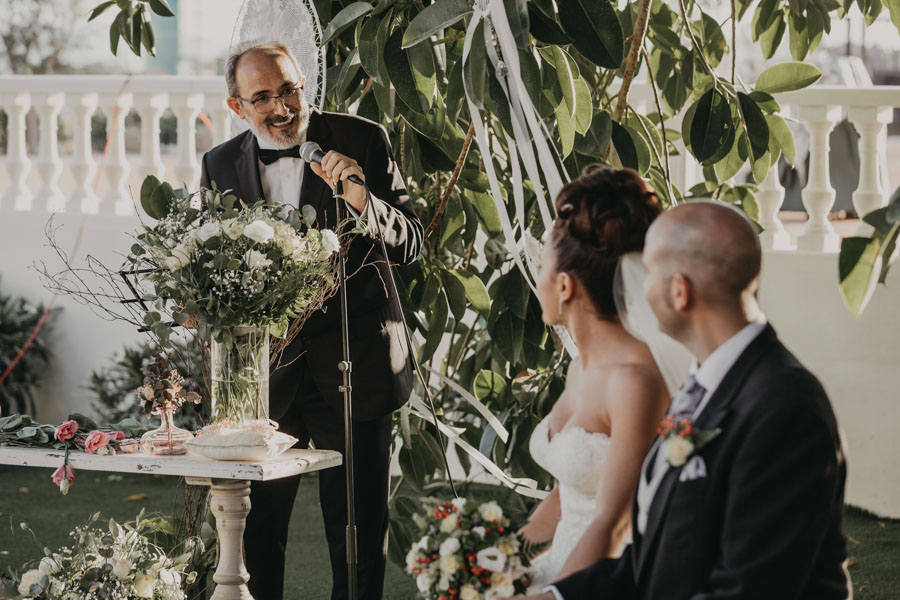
755,513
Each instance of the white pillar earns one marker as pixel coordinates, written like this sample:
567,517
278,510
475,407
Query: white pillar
770,197
116,107
49,165
187,167
150,107
221,119
230,504
818,195
82,164
16,106
870,122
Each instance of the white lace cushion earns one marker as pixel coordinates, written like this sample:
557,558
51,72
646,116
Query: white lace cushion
240,444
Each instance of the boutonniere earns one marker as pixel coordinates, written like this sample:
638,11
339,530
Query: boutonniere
681,439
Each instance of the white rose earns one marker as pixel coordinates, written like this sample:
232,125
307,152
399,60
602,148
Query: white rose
330,241
502,583
289,245
122,568
490,511
143,585
459,503
411,557
56,587
29,579
509,546
180,257
424,581
468,592
48,566
677,449
449,546
283,230
491,559
169,577
256,259
444,583
479,531
450,523
232,229
259,231
209,231
450,564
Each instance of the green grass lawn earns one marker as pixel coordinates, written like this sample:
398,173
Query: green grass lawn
27,494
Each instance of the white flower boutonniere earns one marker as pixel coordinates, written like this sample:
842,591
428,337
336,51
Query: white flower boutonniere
681,440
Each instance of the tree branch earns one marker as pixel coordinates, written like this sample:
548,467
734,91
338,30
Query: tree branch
637,41
452,183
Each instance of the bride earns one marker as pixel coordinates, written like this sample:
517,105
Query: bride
595,438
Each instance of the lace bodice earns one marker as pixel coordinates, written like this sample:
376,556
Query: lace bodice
576,458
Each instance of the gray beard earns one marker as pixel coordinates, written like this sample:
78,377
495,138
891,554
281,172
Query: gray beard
282,141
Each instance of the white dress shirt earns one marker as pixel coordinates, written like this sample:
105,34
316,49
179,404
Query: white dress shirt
710,374
281,180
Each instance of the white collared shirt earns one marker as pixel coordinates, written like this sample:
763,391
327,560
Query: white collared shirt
281,180
710,374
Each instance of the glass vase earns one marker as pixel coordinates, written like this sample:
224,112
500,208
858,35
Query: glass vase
240,377
167,439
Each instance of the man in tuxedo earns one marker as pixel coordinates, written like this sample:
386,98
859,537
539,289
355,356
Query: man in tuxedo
755,513
265,89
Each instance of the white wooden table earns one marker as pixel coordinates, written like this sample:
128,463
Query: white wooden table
229,498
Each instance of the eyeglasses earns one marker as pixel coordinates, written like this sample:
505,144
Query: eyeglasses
266,104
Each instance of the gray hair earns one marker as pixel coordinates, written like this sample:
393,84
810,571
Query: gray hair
268,48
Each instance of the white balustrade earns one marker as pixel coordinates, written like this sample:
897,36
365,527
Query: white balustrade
82,165
49,165
871,123
16,105
186,109
151,107
818,195
116,166
220,116
770,197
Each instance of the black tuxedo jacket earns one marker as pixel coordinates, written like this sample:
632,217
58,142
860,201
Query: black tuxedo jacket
382,367
765,522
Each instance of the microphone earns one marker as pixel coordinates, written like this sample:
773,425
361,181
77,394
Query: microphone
311,152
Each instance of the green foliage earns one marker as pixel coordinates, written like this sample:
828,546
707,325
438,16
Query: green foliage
18,319
865,261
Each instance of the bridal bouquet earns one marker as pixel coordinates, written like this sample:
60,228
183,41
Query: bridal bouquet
117,561
466,551
216,268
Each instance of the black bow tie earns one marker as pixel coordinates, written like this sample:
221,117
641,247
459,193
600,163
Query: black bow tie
269,156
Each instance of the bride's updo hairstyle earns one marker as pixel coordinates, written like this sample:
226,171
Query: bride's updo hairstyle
602,215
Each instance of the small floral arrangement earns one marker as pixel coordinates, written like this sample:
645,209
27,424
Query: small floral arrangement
77,433
681,439
215,267
162,389
466,551
117,561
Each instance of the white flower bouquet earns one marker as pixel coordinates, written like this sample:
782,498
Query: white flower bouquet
215,267
118,561
466,551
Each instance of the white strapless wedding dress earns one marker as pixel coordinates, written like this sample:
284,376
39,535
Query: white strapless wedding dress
576,459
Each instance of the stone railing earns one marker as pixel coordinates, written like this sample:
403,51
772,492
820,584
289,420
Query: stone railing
115,96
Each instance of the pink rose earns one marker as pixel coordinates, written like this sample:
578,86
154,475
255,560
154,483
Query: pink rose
64,477
95,440
116,435
128,448
66,431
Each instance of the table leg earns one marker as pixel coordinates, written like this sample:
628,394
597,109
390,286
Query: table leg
230,503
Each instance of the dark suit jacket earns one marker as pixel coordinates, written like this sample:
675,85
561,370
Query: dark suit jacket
382,375
765,523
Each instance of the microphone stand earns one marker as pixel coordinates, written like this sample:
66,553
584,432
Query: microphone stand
346,367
